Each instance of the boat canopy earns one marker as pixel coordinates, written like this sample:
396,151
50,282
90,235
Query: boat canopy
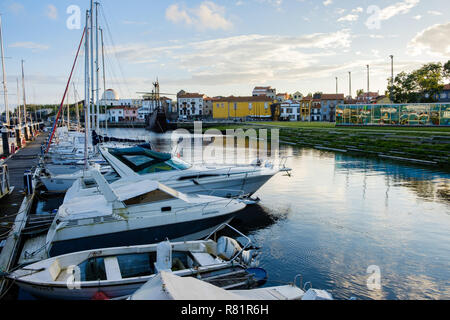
143,161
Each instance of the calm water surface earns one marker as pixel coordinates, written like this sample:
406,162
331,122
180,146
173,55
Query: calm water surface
337,215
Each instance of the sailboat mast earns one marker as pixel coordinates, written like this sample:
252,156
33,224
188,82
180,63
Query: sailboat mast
19,115
24,95
91,102
5,89
77,111
104,79
87,114
97,68
68,108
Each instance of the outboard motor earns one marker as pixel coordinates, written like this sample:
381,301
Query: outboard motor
164,256
227,248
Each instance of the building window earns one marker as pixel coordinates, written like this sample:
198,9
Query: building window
250,106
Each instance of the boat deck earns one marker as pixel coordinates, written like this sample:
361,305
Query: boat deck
33,250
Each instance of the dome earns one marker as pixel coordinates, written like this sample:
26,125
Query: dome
110,94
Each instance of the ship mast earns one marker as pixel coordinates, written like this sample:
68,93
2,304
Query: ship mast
5,89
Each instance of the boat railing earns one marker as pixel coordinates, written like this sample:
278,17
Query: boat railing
226,225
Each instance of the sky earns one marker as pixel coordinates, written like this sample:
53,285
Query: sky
223,47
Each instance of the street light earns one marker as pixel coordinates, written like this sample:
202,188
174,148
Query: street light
350,84
337,85
392,73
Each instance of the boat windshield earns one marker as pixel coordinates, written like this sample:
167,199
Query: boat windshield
144,161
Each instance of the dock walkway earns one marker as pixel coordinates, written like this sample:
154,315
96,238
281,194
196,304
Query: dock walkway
14,208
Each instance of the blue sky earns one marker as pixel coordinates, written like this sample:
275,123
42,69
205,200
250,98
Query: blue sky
226,47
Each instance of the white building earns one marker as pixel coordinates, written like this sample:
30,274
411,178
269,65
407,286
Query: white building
116,114
191,105
265,91
111,98
290,111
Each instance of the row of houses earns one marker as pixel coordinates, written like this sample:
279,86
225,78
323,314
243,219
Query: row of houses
264,103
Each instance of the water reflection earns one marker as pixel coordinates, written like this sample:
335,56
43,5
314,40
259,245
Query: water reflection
337,215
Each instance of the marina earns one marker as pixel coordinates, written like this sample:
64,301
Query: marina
184,196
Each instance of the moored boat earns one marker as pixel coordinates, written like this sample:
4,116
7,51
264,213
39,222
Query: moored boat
119,272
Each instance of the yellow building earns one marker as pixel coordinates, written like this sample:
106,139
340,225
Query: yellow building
305,108
242,107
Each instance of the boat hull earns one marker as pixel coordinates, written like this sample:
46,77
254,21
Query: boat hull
183,231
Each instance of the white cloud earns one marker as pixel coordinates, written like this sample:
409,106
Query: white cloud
51,12
349,17
418,17
435,13
398,8
29,45
243,58
433,40
206,16
358,10
327,2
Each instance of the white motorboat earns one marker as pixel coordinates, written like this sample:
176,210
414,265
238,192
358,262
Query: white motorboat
136,213
139,164
119,272
60,183
169,286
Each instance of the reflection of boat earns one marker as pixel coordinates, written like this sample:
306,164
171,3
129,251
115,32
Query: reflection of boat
135,213
119,272
169,286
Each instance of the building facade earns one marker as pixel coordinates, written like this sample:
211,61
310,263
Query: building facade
316,110
297,96
265,92
305,109
242,107
290,111
329,102
190,105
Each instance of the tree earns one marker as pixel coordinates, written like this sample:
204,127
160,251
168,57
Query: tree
447,70
421,85
359,92
429,80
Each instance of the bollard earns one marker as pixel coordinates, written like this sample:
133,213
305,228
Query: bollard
18,139
5,141
28,182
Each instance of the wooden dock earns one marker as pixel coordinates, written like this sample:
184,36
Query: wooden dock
15,207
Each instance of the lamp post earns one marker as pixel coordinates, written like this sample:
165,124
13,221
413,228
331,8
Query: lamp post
392,73
350,84
337,85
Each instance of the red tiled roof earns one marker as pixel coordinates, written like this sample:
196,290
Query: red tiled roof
191,95
333,96
245,99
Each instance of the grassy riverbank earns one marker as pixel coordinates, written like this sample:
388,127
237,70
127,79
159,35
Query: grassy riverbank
424,145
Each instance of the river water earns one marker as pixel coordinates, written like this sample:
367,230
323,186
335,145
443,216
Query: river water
340,218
